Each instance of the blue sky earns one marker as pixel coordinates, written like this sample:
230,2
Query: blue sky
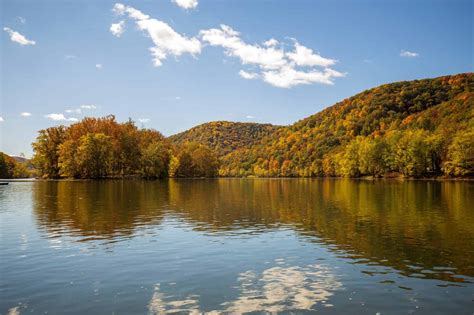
272,61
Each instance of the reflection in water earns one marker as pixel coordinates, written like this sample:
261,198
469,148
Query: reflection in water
423,229
275,290
97,210
14,311
161,304
284,288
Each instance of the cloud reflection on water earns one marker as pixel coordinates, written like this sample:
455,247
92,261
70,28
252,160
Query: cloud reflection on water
274,290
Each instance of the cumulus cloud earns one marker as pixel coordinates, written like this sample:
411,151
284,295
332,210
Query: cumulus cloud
408,54
186,4
117,29
271,42
98,66
271,61
226,37
165,39
1,119
250,117
288,76
276,66
304,56
25,114
248,75
18,38
60,117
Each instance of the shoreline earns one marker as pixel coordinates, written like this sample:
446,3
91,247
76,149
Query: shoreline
230,177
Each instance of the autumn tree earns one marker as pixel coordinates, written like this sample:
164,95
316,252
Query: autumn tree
154,160
460,159
204,162
94,155
46,148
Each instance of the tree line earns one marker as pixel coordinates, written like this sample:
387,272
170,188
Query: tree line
421,128
9,168
105,148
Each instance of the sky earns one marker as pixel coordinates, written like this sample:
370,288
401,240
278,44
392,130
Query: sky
174,64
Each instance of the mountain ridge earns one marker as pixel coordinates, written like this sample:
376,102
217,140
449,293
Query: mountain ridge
372,114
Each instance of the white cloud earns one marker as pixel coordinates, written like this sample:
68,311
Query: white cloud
275,65
1,119
98,66
287,77
117,29
88,106
408,54
18,38
21,19
304,56
226,37
271,42
186,4
248,75
177,98
60,117
25,114
250,117
143,120
165,39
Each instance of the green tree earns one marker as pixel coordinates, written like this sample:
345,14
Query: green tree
5,166
94,155
460,159
155,160
68,162
412,153
46,148
372,153
347,162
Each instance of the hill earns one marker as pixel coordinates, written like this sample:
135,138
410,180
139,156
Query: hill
416,128
20,159
13,167
421,128
224,137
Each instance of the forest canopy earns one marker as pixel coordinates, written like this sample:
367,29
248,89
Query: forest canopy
104,148
421,128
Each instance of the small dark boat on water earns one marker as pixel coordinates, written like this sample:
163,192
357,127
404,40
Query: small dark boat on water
3,183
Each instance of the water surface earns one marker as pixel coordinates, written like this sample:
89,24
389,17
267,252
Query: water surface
237,245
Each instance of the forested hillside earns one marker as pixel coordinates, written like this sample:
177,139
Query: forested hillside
421,128
13,167
416,128
224,136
